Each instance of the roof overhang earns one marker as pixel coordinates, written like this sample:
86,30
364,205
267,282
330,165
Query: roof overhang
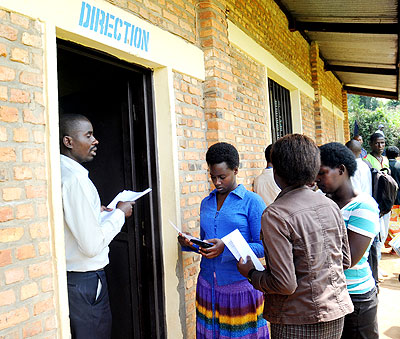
358,40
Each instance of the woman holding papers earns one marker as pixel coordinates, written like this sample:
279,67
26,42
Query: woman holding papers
227,306
306,250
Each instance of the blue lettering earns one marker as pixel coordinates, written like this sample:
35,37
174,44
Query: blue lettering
106,25
88,7
127,25
92,18
138,36
133,31
145,41
101,21
111,25
117,36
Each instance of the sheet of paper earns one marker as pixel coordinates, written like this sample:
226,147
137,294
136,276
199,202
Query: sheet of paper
187,236
241,249
122,196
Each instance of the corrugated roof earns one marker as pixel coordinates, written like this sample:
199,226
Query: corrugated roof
358,40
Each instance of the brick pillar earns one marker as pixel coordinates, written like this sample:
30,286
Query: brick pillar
314,56
218,100
346,125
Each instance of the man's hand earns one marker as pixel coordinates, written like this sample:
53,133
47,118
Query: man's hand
214,251
244,268
126,207
104,208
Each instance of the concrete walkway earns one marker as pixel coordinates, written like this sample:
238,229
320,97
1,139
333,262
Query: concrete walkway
389,298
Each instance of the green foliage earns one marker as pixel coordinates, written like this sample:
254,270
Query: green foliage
370,113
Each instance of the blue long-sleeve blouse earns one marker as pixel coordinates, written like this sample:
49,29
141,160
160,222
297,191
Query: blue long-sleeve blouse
241,209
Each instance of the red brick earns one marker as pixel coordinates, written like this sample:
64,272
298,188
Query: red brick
25,211
21,134
8,114
20,96
14,275
6,73
32,155
3,50
20,55
36,191
42,211
3,134
39,230
11,234
7,154
47,284
6,213
22,173
40,269
44,248
32,329
8,32
11,193
3,93
31,40
38,137
29,291
36,117
5,258
29,78
7,298
43,306
50,323
25,252
13,317
19,20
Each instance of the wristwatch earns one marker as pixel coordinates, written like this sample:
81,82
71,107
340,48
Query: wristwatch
250,274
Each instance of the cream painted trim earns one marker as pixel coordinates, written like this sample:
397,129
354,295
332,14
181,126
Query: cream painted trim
332,108
165,49
276,70
169,193
56,213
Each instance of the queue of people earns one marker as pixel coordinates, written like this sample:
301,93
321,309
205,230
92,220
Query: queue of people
319,278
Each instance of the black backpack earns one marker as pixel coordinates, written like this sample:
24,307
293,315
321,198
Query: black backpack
384,189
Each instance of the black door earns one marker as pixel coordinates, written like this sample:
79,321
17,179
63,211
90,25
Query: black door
117,98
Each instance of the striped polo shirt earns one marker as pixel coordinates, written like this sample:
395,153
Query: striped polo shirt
361,215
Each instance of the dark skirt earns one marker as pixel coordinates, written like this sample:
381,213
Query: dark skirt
229,311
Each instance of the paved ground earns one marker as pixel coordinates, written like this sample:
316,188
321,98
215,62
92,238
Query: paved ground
389,298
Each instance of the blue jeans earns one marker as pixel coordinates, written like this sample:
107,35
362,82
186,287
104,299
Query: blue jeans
90,317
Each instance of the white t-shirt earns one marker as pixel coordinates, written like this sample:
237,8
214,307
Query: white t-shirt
266,187
362,179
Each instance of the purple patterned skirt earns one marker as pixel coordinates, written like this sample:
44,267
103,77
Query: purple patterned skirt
229,311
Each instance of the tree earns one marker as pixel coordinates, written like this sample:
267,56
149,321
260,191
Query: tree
385,113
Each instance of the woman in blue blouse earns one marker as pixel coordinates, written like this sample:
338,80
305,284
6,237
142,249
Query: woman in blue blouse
227,306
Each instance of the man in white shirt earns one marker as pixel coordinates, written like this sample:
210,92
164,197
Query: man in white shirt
86,236
265,185
362,179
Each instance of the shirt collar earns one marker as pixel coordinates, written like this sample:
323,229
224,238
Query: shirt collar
73,165
289,189
240,191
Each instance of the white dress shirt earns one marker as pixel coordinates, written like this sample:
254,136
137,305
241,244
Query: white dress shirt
266,187
362,180
86,237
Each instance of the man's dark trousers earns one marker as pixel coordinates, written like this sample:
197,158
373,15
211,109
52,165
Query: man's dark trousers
89,317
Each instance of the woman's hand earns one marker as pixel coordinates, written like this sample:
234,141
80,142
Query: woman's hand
214,251
185,241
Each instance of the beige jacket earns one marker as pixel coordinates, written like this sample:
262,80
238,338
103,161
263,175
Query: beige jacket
306,250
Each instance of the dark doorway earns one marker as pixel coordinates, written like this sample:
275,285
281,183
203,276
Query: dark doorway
117,98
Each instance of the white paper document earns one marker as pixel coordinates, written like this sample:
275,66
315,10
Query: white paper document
122,196
193,239
241,249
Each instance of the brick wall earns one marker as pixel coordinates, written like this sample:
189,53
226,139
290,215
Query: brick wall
177,17
250,128
307,111
194,185
26,269
329,126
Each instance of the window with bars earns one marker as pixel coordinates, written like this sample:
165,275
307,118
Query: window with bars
280,110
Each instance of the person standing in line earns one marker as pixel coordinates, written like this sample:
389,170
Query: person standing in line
361,216
362,178
264,184
378,161
86,236
306,250
363,153
227,306
380,130
392,152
